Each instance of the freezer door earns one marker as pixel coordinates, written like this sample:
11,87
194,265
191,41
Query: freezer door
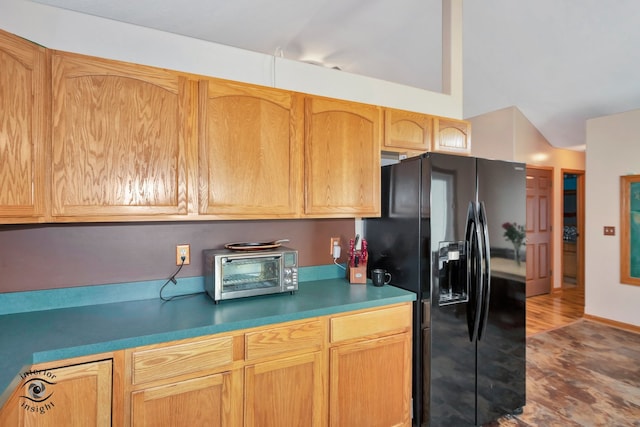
501,343
395,241
452,186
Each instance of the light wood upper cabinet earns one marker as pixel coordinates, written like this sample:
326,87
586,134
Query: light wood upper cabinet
405,130
77,395
250,155
123,139
451,135
24,95
342,158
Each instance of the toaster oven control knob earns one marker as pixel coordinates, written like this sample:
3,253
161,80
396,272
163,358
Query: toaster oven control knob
287,271
287,280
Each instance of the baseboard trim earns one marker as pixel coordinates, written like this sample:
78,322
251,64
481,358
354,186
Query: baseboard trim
621,325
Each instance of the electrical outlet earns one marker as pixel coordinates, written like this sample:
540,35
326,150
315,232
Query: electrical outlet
609,230
183,251
333,242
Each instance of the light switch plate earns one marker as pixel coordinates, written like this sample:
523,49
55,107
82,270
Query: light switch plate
609,230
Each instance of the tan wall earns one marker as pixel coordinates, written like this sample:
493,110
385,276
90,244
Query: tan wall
613,150
508,135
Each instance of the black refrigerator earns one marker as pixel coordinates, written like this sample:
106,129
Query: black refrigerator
451,231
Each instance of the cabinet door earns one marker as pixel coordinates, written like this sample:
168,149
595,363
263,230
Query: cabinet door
286,392
370,383
451,135
195,402
78,395
123,139
23,135
342,158
250,156
405,130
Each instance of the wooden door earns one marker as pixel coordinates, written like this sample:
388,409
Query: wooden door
250,156
286,392
75,396
342,158
573,238
24,94
539,196
123,139
370,383
207,400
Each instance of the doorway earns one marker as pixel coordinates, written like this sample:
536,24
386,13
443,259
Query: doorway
539,254
572,229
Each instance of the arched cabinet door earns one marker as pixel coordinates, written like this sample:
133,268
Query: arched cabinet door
123,139
250,151
342,158
406,131
450,135
24,94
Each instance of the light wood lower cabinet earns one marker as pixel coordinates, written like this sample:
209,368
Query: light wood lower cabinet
347,369
369,383
286,392
195,402
370,368
77,395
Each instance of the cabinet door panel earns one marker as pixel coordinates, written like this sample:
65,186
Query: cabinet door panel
121,138
452,136
370,383
78,395
342,158
250,151
23,99
195,402
407,130
285,392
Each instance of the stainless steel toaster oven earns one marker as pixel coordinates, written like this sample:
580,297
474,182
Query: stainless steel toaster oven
237,274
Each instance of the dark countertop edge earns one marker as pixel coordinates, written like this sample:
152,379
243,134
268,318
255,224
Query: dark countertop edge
7,387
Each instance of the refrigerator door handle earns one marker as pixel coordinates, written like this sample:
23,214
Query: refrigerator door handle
475,269
486,261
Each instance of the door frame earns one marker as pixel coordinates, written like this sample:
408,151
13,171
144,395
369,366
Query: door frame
580,205
552,221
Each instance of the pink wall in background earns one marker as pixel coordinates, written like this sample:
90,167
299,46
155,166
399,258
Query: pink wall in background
63,255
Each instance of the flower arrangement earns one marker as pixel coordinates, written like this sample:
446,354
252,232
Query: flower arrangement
515,233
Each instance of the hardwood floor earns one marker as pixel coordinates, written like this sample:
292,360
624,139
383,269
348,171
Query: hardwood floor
579,372
547,312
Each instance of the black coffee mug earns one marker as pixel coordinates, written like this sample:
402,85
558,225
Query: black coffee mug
380,277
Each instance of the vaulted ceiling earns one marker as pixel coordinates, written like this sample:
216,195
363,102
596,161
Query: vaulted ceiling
560,62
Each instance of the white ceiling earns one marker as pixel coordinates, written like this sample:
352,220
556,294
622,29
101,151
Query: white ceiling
560,62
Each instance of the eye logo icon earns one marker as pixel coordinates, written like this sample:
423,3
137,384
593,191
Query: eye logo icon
37,390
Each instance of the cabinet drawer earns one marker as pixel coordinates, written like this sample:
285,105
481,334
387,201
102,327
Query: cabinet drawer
173,360
377,322
273,341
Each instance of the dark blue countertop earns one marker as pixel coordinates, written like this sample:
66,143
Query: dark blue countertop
49,335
